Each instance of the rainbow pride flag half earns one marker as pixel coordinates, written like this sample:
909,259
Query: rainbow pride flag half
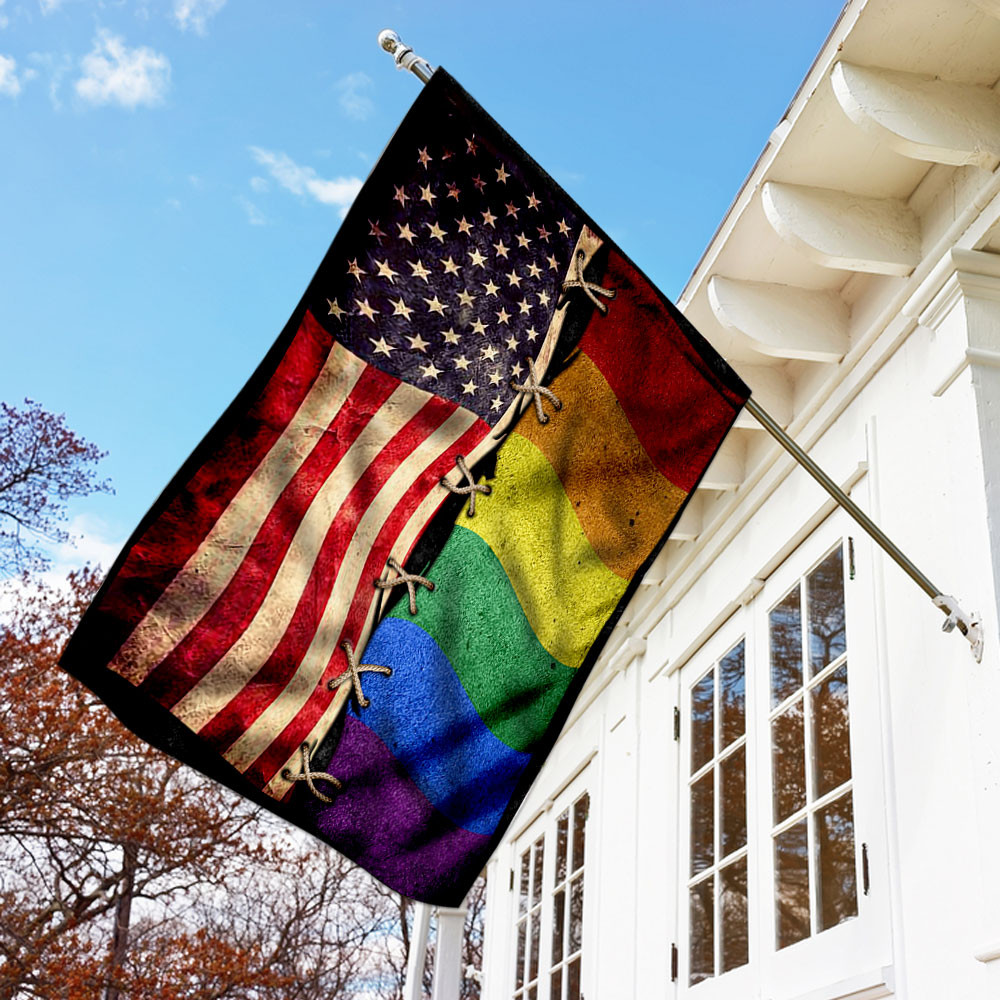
526,592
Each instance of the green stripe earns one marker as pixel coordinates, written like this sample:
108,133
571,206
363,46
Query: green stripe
475,618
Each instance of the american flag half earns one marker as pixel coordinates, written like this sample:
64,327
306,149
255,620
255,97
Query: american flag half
221,626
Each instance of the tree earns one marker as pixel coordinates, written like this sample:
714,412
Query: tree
43,464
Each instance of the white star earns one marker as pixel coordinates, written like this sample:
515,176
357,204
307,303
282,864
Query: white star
511,343
385,271
417,343
335,309
516,370
512,209
381,347
449,265
419,271
534,270
533,202
453,191
514,278
489,352
462,362
400,196
426,194
465,297
405,233
543,297
502,317
436,231
523,241
531,333
355,271
423,158
489,218
464,226
470,145
435,306
430,370
491,289
496,378
479,182
553,264
563,228
543,234
496,404
502,174
401,308
374,230
525,307
365,309
477,258
500,248
450,337
478,326
469,388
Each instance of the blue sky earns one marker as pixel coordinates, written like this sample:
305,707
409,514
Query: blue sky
172,172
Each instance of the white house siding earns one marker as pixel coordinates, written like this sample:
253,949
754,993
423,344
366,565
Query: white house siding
908,419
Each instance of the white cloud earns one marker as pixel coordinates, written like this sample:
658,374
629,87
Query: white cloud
259,184
195,14
116,74
339,192
254,215
56,67
49,6
4,19
10,85
354,99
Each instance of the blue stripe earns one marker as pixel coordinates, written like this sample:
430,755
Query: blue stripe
425,718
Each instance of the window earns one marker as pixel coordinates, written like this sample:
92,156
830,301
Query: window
778,816
549,913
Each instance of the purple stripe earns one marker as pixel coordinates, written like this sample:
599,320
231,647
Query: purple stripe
381,820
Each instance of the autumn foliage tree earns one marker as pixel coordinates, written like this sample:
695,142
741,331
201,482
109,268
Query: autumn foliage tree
125,875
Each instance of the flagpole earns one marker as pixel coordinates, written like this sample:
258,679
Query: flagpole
968,625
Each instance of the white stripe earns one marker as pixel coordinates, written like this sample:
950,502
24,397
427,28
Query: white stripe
190,595
278,786
310,672
229,675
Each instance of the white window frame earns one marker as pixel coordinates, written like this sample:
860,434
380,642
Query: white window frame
863,943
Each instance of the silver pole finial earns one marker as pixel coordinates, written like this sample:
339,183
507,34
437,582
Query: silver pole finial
404,56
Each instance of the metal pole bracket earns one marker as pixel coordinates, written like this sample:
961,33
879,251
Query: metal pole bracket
968,624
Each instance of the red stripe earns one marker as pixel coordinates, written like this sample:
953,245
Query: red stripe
193,507
231,615
679,408
268,763
272,678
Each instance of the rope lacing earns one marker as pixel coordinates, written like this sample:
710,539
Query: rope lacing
589,288
353,674
309,776
412,580
537,391
471,489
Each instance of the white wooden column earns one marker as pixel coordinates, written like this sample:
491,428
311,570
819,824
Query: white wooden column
448,953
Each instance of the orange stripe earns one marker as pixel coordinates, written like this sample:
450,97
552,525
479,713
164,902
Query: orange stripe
623,502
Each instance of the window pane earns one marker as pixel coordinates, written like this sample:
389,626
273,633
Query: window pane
533,993
576,915
562,838
558,922
555,992
791,890
703,823
733,695
536,881
581,809
825,592
733,804
535,920
702,722
831,733
520,954
835,870
733,916
788,756
702,952
786,647
573,984
522,902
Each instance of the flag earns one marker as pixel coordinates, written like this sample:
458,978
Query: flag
327,543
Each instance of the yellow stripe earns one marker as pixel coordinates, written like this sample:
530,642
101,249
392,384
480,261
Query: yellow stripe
565,589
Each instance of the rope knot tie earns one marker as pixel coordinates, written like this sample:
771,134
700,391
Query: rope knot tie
532,386
412,581
589,288
469,490
309,776
353,674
